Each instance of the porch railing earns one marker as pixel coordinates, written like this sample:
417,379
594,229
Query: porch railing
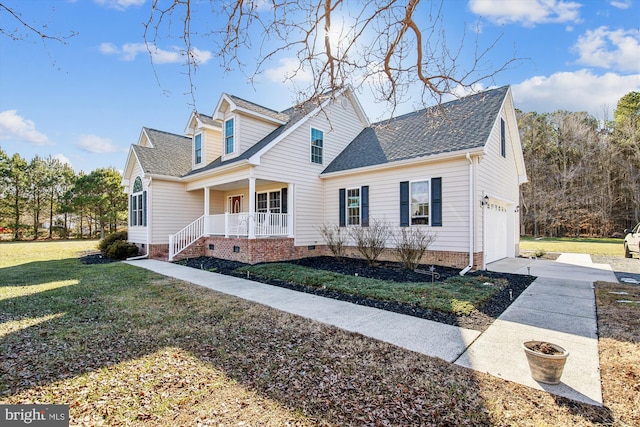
229,225
186,237
264,224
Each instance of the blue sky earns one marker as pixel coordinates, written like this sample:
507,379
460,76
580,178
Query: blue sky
85,101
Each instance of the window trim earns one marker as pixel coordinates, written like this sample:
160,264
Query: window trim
137,209
312,146
197,151
225,140
428,216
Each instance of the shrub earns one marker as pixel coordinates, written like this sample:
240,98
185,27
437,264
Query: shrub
121,250
107,241
411,244
334,238
370,241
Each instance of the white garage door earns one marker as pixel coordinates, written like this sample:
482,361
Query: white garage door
495,237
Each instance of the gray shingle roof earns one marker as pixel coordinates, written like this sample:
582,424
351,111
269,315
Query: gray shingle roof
458,125
208,120
293,114
247,105
170,155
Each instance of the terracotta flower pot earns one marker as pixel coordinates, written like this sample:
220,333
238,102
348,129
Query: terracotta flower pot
546,360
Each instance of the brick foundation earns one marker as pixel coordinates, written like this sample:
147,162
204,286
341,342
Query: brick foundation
444,258
253,251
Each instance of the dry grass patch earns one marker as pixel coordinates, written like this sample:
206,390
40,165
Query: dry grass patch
126,347
619,330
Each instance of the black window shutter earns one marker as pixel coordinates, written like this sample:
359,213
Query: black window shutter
364,197
436,202
503,139
131,217
404,204
144,208
343,207
284,200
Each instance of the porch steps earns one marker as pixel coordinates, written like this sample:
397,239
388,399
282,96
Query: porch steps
186,237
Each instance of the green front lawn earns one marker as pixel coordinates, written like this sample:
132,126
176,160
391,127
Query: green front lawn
457,295
593,246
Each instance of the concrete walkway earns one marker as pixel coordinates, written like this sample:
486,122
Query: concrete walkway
559,306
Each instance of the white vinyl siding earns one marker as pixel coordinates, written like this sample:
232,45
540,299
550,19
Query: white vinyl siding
384,199
497,177
288,161
247,132
173,208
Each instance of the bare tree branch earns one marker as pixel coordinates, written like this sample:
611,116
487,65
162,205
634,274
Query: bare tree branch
15,34
380,45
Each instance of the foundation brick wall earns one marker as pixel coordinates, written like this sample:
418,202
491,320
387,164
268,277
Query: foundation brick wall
270,250
159,251
250,251
444,258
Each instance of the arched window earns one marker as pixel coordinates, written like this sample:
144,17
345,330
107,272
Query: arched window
138,205
137,185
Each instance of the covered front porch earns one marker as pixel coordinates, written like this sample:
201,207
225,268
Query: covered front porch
248,208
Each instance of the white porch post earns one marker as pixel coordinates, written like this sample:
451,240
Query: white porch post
226,224
290,207
252,208
207,195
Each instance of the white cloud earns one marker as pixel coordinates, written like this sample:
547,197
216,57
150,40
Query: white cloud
120,4
129,52
574,91
528,13
621,4
96,144
610,49
289,69
13,126
201,56
62,159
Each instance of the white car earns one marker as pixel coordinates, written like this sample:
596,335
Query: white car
632,241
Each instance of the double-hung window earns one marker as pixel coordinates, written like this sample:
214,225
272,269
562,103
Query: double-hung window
197,150
228,137
269,202
420,198
353,206
503,139
262,203
317,140
421,202
274,202
137,204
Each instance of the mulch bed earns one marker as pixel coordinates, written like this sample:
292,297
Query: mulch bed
478,320
96,259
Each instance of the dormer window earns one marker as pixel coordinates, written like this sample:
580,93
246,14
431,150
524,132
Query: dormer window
228,137
197,149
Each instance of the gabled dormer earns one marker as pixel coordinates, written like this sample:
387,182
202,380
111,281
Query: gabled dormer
206,139
243,124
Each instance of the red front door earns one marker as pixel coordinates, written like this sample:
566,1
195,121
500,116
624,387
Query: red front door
235,204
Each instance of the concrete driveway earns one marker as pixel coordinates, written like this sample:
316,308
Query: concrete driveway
558,307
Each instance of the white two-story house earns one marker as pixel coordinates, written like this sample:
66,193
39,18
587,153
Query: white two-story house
252,184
